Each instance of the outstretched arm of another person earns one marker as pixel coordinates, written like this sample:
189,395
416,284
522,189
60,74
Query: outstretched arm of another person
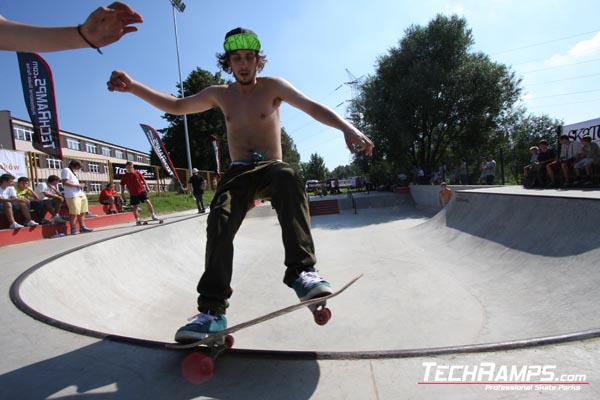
102,27
120,81
355,139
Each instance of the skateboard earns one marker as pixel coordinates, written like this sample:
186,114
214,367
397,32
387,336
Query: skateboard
151,221
218,342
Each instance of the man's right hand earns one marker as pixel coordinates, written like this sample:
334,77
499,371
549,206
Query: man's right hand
119,81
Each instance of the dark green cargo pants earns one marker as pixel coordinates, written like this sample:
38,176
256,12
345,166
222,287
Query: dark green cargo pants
235,194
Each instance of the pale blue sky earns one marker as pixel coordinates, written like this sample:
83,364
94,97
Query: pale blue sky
554,45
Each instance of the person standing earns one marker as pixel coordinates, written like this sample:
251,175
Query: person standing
490,169
198,185
138,191
251,107
75,197
445,195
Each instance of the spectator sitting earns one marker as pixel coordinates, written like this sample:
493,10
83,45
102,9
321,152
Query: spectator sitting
31,199
566,159
9,202
588,156
545,156
109,197
534,151
51,198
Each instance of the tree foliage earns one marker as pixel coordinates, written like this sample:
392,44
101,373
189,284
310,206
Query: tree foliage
314,169
432,101
200,128
289,150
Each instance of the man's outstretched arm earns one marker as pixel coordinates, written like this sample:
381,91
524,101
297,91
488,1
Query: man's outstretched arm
355,139
120,81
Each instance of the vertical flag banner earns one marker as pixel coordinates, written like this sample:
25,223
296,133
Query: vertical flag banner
215,144
159,148
38,90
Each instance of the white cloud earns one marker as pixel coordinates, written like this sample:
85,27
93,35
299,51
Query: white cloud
581,49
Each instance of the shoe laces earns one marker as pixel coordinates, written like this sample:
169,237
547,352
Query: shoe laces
201,318
309,277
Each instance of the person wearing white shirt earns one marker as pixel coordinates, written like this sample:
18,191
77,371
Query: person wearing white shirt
75,197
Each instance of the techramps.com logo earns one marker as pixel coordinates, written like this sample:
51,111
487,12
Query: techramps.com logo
495,377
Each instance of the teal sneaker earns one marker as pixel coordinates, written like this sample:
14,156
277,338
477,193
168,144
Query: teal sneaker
309,285
200,326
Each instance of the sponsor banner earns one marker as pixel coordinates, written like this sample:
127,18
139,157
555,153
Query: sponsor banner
580,129
13,162
38,91
146,171
159,148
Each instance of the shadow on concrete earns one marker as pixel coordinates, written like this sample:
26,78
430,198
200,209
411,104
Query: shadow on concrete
108,370
540,225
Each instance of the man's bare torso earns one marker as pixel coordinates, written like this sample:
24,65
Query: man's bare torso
252,119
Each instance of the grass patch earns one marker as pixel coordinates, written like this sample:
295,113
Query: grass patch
166,202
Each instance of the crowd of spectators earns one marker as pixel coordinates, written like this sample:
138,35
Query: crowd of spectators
577,164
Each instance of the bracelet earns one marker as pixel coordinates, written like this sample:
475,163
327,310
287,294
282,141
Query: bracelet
87,41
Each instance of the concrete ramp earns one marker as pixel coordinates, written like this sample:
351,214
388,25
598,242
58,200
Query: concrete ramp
478,272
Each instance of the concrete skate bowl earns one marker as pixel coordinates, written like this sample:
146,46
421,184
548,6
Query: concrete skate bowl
472,278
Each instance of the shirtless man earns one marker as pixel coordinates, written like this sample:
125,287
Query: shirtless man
251,110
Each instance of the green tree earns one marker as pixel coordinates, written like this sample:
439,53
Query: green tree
200,128
290,152
432,101
344,171
314,168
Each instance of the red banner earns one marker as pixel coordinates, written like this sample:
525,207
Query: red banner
38,90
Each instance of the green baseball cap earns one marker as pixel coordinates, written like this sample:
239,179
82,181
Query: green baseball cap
241,39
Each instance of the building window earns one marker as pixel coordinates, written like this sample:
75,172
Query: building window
91,148
119,154
73,144
54,163
23,133
130,157
94,168
140,159
106,151
95,187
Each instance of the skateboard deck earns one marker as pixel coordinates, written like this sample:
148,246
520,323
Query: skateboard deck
223,339
151,221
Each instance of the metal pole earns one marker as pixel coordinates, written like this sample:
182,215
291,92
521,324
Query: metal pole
185,125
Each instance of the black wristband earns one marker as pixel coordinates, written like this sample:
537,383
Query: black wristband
87,41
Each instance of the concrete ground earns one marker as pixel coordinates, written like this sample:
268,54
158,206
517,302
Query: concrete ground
462,292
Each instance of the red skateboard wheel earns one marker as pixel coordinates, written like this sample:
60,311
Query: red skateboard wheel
322,316
229,341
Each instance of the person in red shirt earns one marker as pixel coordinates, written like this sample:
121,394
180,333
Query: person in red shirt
138,191
112,199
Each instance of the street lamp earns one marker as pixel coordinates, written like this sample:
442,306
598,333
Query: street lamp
180,6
